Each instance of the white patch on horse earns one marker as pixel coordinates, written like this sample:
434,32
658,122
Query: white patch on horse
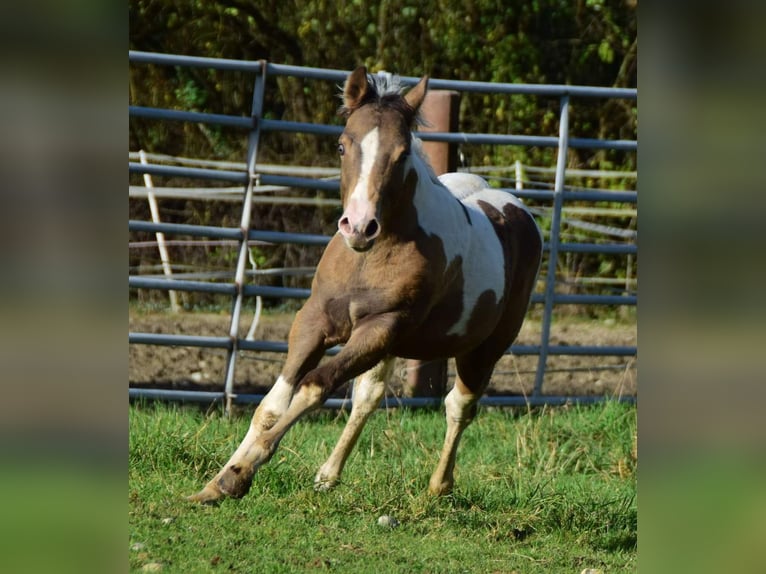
463,185
278,398
358,201
275,403
440,213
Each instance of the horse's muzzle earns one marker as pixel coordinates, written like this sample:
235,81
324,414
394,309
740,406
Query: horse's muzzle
360,236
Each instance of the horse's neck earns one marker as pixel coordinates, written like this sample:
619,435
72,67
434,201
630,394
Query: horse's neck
427,178
438,210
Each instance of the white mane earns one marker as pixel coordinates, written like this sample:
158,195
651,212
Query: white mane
386,83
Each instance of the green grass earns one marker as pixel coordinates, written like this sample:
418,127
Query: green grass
552,490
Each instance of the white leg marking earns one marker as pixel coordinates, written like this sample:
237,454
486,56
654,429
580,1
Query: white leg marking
272,407
277,399
458,408
305,399
368,391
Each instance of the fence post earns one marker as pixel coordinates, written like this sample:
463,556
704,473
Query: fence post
553,243
244,252
440,112
519,176
155,210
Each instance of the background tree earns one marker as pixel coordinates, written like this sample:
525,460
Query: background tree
588,42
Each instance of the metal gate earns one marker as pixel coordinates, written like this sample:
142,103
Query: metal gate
255,125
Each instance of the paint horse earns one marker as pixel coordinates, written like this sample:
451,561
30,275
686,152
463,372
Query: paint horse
421,267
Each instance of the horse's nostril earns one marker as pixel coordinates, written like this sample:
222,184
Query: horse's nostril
372,229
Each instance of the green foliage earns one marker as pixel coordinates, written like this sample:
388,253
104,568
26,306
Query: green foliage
551,490
549,41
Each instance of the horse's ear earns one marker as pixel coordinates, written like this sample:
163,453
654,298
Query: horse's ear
355,90
416,95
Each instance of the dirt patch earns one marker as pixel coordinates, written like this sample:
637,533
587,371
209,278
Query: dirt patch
195,368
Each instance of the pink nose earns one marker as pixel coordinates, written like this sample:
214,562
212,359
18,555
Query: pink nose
359,235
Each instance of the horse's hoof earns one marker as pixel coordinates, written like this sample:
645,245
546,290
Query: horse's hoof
322,485
235,481
208,495
325,480
440,489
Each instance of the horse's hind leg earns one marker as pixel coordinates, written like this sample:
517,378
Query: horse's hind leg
473,375
369,389
460,405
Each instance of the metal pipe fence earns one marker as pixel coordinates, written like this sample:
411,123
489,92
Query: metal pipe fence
254,125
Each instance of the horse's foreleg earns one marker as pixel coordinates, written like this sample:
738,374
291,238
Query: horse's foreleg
306,348
259,445
273,405
368,391
364,349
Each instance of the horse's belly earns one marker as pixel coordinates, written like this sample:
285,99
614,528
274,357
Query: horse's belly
427,344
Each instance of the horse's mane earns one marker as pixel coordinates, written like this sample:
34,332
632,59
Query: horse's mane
386,90
386,84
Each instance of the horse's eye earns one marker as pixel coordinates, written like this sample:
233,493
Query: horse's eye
341,149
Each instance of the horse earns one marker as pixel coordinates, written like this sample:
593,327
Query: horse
421,267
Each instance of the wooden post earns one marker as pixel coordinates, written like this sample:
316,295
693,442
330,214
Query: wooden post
440,112
155,211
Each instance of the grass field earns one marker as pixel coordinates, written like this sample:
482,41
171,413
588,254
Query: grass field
548,490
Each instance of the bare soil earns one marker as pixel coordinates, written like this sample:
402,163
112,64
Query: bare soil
202,368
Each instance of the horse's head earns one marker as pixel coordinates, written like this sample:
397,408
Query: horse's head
374,149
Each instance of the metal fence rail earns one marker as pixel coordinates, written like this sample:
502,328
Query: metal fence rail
256,124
